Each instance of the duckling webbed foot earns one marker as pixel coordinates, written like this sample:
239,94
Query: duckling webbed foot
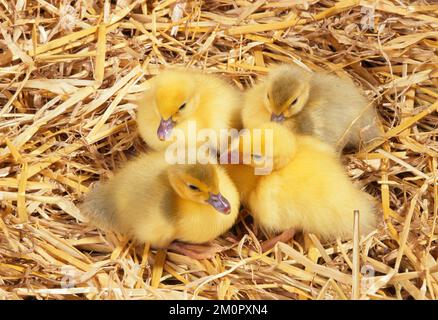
285,236
196,251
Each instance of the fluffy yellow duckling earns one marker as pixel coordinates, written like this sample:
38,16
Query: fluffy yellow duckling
306,190
319,104
178,96
156,203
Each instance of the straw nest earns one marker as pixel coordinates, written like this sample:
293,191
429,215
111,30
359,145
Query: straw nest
69,73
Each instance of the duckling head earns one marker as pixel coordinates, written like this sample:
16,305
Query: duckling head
175,99
198,183
271,146
287,92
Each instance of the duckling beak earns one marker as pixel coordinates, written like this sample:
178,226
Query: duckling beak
277,117
165,129
219,203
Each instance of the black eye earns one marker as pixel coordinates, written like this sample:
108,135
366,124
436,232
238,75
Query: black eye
182,106
194,188
293,102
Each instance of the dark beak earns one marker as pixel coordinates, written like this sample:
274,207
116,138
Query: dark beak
277,118
165,129
219,203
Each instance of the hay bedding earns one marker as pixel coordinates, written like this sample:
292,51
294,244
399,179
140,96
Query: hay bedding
69,73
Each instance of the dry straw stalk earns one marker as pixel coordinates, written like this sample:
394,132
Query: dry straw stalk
69,72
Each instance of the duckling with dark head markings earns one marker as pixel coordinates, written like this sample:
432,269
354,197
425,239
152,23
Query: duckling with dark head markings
318,104
155,202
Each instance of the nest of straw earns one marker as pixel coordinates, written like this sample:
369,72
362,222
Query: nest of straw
69,71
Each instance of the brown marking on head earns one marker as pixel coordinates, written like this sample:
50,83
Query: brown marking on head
287,90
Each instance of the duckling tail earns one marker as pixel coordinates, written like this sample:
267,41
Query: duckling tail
370,129
99,207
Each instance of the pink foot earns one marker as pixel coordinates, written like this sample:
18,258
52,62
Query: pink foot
196,251
283,237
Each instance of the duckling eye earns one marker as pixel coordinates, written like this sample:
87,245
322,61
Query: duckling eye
193,187
182,106
293,102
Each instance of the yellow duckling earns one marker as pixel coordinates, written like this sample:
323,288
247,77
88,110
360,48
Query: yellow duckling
177,97
318,104
307,188
156,203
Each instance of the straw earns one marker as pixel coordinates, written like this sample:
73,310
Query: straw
69,74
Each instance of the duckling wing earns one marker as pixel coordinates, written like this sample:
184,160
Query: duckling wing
340,111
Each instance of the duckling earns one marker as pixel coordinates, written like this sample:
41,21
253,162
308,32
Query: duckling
178,96
243,177
318,104
157,203
307,188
